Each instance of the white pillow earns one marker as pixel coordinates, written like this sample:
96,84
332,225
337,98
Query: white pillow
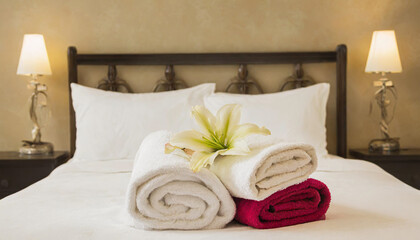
296,115
112,125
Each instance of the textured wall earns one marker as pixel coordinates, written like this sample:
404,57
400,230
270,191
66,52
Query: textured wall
208,26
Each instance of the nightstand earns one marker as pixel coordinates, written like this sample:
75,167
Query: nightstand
19,171
404,164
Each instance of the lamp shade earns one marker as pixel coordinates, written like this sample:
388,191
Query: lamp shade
383,53
33,57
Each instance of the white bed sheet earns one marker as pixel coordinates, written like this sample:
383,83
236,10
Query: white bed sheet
84,200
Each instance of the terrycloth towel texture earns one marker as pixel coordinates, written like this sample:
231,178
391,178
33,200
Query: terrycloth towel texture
271,166
304,202
163,193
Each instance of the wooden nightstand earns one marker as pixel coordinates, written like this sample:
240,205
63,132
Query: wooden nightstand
404,164
19,171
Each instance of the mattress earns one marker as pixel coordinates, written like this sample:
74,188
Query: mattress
85,200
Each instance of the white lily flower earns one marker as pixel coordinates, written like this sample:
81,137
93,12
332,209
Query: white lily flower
219,135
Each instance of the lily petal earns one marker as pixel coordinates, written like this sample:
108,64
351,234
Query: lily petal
238,147
244,130
169,148
191,139
205,120
180,153
202,159
227,118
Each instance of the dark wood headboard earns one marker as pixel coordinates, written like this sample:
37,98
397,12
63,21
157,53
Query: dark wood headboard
339,56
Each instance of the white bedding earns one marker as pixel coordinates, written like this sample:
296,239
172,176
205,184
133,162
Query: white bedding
85,200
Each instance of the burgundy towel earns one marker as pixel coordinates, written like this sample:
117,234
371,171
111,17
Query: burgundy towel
304,202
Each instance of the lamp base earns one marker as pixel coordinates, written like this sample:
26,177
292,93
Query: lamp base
36,148
384,145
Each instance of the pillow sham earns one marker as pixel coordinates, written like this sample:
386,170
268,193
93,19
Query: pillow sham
296,115
112,125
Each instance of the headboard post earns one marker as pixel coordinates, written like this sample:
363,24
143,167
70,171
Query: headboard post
72,68
341,100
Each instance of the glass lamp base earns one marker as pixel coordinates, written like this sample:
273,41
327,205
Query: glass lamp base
33,148
384,145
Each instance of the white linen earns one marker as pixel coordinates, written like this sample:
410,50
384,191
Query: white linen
111,125
73,203
297,115
271,166
163,193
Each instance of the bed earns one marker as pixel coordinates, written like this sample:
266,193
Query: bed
84,199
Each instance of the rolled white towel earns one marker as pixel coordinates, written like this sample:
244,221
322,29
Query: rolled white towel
271,166
163,193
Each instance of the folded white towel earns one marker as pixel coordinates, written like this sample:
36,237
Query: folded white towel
163,193
271,166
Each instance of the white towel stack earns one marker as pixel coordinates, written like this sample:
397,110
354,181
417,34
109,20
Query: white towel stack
271,166
163,193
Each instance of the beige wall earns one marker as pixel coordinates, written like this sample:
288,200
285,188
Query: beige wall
208,26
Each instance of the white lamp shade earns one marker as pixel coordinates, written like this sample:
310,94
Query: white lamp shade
33,57
383,53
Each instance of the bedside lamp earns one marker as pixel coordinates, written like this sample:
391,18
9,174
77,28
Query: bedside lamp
384,58
34,62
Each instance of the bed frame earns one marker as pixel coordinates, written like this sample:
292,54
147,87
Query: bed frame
242,82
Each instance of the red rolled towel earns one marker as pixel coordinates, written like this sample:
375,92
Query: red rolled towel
304,202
